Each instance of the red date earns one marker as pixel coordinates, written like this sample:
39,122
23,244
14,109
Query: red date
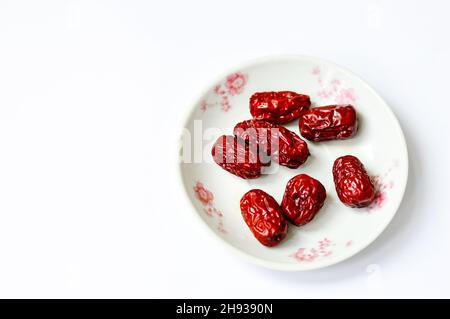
264,217
236,157
353,184
303,198
274,141
278,107
332,122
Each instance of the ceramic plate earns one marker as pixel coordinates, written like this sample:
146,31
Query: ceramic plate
337,232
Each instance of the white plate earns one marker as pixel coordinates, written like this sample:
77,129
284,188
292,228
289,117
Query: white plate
337,232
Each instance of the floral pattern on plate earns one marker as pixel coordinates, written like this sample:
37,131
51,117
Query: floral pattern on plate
206,199
383,183
233,85
334,89
322,249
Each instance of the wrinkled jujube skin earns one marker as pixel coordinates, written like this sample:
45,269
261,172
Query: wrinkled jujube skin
332,122
353,185
234,156
264,217
278,107
303,198
273,141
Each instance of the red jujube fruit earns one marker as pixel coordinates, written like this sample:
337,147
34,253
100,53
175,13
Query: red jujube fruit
332,122
303,198
235,156
273,141
278,107
353,185
264,217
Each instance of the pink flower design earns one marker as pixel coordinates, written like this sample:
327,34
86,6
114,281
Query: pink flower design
202,194
316,71
208,211
225,104
336,82
382,184
203,106
218,90
206,198
218,213
221,228
235,83
302,255
334,89
321,250
345,96
380,195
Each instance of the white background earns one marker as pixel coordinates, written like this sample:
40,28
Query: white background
92,98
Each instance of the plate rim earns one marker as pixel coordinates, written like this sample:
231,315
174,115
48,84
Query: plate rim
253,259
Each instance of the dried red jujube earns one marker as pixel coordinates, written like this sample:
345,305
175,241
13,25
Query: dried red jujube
303,198
278,107
275,141
353,185
264,217
236,157
332,122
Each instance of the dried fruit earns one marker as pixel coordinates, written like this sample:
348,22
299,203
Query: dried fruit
278,107
236,157
264,217
329,123
353,184
303,198
273,141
